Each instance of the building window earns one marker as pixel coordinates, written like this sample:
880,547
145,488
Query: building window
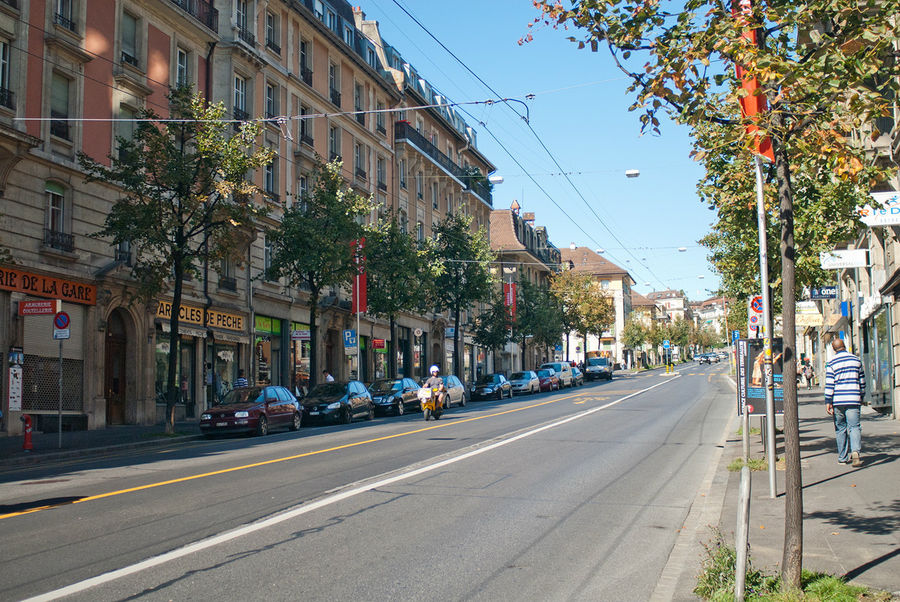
270,177
244,21
420,231
420,185
348,36
403,220
227,279
272,39
334,83
334,143
379,117
401,173
59,107
331,20
305,62
271,100
240,98
434,196
267,255
372,58
302,191
6,95
380,172
129,27
55,235
306,126
359,160
359,103
126,126
63,15
604,284
182,75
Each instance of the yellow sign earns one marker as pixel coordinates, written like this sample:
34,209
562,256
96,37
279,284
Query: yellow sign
190,314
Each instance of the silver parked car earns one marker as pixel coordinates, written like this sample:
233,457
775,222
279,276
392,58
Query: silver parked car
525,382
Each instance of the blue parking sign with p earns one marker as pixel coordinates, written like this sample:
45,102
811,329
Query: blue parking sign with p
349,338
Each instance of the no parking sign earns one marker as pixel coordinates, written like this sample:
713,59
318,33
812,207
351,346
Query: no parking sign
61,326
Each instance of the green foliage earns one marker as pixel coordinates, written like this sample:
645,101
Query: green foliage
755,464
585,308
538,317
492,324
634,335
716,578
397,269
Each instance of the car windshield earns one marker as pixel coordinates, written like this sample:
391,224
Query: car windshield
543,373
243,395
488,379
328,389
557,367
598,361
386,386
520,376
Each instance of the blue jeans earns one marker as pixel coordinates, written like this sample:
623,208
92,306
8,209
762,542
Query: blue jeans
846,422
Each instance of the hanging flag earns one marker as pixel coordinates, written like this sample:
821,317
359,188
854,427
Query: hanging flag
360,299
509,298
754,102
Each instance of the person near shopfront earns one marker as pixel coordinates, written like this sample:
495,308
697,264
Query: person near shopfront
845,385
241,380
328,377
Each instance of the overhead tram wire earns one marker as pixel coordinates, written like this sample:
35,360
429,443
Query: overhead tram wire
534,133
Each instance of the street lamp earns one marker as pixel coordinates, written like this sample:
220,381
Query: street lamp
632,173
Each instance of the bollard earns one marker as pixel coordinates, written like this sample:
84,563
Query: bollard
26,444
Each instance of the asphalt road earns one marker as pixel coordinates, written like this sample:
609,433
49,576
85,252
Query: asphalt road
572,495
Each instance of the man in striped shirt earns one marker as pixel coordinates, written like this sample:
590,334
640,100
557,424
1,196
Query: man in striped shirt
845,385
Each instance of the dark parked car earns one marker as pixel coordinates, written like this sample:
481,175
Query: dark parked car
491,386
577,376
704,358
338,402
456,391
549,380
598,367
395,395
525,382
253,410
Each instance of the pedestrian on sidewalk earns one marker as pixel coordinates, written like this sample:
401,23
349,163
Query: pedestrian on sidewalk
241,380
845,385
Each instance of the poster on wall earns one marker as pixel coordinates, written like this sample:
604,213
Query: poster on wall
751,376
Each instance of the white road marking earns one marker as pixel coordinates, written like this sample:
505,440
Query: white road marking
227,536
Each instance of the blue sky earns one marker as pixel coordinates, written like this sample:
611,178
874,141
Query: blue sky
580,113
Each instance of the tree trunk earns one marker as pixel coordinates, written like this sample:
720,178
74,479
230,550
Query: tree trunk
313,336
172,374
567,346
792,556
523,354
456,343
392,358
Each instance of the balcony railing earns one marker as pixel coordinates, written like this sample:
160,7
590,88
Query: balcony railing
404,131
361,173
273,46
246,36
7,98
130,59
480,188
306,75
58,127
64,21
59,240
240,115
335,97
380,128
273,197
360,117
201,10
382,186
12,3
306,139
333,156
227,283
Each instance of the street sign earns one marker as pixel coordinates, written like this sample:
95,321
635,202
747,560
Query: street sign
349,339
449,332
735,335
666,344
756,304
823,292
754,319
558,347
60,326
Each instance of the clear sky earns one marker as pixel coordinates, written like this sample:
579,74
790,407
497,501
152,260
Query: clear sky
580,113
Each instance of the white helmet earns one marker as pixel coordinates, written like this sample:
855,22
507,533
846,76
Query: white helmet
434,369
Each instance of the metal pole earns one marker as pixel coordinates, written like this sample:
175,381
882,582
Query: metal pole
767,325
59,411
742,535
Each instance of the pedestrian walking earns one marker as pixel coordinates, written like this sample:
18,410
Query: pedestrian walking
241,380
845,385
809,375
328,377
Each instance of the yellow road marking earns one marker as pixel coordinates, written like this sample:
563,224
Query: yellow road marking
101,496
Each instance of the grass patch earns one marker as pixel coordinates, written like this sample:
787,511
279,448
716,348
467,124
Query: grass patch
716,582
754,430
755,464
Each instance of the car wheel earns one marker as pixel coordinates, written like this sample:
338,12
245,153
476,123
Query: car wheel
345,416
463,401
400,408
371,414
262,426
296,421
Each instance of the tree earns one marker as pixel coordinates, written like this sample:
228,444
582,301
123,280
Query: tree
492,324
463,275
634,335
587,310
184,201
824,67
397,272
313,246
537,317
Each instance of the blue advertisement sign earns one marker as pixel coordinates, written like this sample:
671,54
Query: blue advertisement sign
823,292
751,376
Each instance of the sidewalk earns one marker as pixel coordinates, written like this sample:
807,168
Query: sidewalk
91,443
851,516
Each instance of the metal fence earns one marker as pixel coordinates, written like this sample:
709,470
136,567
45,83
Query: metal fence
40,384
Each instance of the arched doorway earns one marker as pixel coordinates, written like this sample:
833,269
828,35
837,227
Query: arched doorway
115,366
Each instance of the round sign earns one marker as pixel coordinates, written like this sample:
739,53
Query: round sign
61,320
756,304
754,319
417,332
749,408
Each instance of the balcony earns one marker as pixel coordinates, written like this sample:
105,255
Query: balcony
240,115
361,173
201,10
227,283
306,75
129,59
335,97
59,240
404,132
360,117
11,3
246,36
306,139
273,197
273,46
64,21
382,186
58,126
380,129
480,188
7,99
333,156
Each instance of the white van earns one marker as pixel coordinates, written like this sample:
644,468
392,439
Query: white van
563,371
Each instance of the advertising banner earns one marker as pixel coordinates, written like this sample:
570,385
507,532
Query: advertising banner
751,376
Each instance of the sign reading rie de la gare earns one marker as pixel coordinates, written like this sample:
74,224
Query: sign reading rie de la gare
843,259
884,211
47,286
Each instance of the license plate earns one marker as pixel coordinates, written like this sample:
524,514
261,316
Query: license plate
221,424
314,413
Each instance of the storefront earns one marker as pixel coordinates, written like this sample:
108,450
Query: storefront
404,355
875,353
300,355
420,354
267,351
379,358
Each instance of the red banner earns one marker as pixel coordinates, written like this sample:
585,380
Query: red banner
360,301
754,102
509,298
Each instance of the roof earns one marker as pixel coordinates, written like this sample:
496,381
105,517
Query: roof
503,232
638,300
667,294
585,260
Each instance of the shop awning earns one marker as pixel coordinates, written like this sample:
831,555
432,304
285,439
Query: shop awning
837,323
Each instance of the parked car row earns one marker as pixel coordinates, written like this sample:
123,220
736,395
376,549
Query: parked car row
259,409
713,357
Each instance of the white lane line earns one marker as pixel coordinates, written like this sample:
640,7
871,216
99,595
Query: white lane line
227,536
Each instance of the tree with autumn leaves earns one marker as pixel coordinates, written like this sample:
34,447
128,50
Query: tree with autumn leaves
825,68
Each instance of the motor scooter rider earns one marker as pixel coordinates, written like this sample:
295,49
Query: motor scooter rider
435,382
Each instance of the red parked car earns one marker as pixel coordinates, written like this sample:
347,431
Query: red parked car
549,380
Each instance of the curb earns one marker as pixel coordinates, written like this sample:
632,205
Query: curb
40,457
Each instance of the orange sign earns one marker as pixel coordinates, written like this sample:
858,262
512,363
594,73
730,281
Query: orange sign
47,286
191,314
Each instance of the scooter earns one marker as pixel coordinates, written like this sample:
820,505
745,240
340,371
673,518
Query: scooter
431,405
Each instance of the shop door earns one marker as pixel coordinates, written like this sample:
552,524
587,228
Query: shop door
116,361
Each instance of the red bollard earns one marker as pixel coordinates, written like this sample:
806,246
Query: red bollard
26,445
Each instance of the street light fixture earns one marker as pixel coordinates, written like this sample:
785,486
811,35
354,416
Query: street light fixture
632,173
